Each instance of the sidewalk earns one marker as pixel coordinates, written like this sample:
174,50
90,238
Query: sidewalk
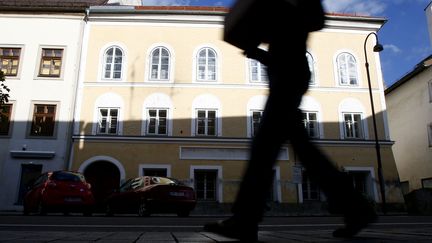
369,235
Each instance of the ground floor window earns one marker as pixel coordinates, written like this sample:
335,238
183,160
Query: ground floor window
404,187
426,183
155,172
205,184
363,181
310,189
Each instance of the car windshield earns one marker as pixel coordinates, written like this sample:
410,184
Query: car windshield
67,176
165,181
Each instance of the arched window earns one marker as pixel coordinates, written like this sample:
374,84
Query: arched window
258,71
113,63
160,64
206,65
311,67
347,69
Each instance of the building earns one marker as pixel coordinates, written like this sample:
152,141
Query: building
409,103
40,49
160,93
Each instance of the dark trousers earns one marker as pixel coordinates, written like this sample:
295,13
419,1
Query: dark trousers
289,77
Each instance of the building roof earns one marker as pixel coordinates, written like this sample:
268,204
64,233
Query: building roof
48,5
419,68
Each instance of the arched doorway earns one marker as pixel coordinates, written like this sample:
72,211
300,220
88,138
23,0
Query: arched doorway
104,178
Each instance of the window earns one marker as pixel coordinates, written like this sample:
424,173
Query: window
206,65
430,91
206,123
5,119
160,62
347,69
310,122
9,60
311,68
157,122
51,62
155,172
311,191
108,121
426,183
258,72
113,62
205,184
256,120
353,125
404,187
430,134
43,122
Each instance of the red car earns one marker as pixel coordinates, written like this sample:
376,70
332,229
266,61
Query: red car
152,194
59,191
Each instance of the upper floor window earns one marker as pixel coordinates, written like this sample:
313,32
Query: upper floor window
43,122
430,91
258,71
108,121
310,122
5,119
206,123
206,65
157,122
353,126
51,62
311,64
256,120
160,64
430,134
113,63
9,60
347,69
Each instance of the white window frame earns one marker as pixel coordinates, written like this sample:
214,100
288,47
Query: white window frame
308,121
157,118
372,185
142,167
355,69
159,65
218,60
262,77
311,63
206,120
361,125
112,63
219,180
39,61
20,60
108,122
430,91
430,134
206,102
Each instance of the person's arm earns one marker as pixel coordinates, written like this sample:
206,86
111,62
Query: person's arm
258,54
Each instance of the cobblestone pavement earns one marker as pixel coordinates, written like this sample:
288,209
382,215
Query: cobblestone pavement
422,234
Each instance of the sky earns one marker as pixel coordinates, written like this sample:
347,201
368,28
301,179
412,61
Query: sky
405,35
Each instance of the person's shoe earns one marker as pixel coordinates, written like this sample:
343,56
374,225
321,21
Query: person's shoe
231,228
359,216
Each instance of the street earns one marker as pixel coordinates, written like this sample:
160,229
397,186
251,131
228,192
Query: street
130,228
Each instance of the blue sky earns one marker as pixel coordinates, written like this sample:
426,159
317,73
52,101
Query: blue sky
405,36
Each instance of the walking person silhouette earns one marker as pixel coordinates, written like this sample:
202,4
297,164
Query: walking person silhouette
284,25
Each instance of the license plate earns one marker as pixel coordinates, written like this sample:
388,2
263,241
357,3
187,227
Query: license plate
177,194
72,199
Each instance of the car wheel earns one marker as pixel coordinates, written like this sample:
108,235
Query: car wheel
108,210
142,210
183,214
41,210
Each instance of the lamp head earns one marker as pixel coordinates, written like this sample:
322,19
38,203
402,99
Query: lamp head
378,48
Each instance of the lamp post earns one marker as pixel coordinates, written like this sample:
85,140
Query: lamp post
377,48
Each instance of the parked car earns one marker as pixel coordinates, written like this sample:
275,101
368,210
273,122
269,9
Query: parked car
152,194
59,191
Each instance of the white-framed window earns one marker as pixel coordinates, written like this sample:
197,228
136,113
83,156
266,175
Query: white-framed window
363,179
206,122
5,119
311,64
310,189
257,72
160,61
206,65
310,122
346,65
157,121
108,121
205,183
44,120
113,60
353,125
256,116
51,62
10,60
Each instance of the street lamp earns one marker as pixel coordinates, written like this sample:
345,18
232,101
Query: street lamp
377,48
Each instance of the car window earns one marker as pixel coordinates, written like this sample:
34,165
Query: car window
67,176
41,179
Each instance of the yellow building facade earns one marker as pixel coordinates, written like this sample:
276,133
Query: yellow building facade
160,93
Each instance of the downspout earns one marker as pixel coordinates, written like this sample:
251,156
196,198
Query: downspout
74,127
